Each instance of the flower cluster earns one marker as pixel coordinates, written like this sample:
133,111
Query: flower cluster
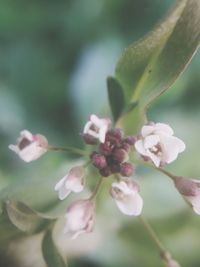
156,144
112,155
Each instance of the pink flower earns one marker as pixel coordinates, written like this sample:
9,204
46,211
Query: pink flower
190,190
30,147
80,218
97,127
72,182
158,143
127,197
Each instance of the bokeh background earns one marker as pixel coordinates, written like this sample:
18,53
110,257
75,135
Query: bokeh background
55,56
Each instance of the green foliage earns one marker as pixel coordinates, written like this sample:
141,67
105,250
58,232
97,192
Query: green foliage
116,97
50,252
149,67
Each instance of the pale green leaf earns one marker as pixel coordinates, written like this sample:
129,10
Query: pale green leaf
149,67
50,252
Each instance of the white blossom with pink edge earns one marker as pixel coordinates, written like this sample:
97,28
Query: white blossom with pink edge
72,182
127,197
80,218
97,127
190,190
172,263
158,143
30,147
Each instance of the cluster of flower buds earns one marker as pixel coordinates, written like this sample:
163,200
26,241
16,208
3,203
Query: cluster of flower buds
111,156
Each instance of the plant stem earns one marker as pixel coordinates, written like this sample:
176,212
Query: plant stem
153,235
143,163
69,149
96,190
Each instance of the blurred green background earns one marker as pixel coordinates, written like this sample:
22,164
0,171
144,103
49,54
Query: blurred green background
55,57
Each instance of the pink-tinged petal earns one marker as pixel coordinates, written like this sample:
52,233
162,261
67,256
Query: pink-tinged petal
165,128
63,192
195,203
126,195
147,130
14,148
131,205
30,147
96,121
31,152
150,141
171,147
28,135
87,127
154,158
80,218
102,134
139,146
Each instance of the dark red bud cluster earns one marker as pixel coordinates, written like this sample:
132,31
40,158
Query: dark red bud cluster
112,155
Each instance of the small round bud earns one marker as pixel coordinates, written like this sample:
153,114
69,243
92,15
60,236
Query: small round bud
105,172
89,139
114,136
131,140
106,148
120,155
127,169
98,160
126,147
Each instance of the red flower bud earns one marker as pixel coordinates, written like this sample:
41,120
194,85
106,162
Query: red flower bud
127,169
98,160
131,140
120,155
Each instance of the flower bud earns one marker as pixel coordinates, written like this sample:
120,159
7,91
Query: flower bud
89,139
106,148
72,182
131,140
120,155
80,218
127,169
30,147
126,147
98,160
190,190
105,172
114,136
127,197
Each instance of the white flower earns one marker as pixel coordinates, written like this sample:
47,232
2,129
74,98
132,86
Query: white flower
97,127
80,218
158,143
72,182
127,197
190,190
172,263
30,147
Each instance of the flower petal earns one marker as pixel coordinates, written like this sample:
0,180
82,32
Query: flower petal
131,205
171,146
150,141
165,128
139,146
147,129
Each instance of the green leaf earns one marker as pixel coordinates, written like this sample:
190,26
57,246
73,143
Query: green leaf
50,252
25,218
116,97
149,67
